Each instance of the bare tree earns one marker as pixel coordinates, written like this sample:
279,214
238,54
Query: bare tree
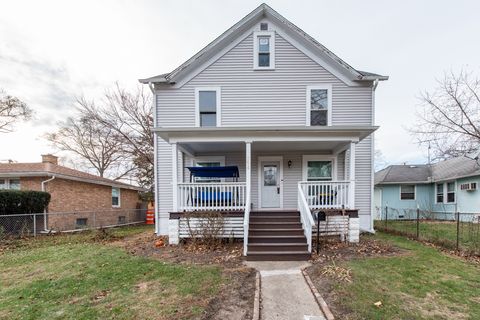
86,138
12,110
129,116
380,161
449,119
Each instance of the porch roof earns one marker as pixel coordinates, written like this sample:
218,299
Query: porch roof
265,133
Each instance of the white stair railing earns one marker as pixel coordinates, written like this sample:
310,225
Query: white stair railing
305,216
327,194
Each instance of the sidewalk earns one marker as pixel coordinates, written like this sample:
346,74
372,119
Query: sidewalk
284,292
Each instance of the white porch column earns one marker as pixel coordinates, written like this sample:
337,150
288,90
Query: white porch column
248,172
175,176
351,196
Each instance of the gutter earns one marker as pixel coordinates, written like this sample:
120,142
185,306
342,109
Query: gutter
45,210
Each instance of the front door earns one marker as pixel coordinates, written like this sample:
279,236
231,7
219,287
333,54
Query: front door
270,184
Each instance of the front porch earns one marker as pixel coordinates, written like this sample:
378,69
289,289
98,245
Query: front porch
296,171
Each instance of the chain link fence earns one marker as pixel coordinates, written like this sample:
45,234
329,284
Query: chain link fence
459,231
22,225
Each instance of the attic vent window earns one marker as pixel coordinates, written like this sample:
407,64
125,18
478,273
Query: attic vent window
264,26
264,50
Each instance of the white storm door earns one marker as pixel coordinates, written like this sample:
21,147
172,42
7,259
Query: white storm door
270,184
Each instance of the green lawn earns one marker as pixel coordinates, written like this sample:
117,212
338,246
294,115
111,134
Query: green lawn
422,283
443,233
75,277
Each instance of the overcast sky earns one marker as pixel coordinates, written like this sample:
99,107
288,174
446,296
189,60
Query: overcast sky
52,51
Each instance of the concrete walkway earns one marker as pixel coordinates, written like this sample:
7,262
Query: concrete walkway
284,291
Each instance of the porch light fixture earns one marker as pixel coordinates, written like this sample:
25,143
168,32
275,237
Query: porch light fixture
289,163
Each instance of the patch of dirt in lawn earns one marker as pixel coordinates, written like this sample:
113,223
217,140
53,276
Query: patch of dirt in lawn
235,299
325,271
431,307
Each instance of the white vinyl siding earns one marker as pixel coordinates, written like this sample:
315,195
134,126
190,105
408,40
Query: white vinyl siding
271,98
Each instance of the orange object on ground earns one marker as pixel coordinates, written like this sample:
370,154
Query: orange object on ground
150,216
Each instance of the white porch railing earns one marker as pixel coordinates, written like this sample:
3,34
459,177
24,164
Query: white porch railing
211,196
327,194
305,216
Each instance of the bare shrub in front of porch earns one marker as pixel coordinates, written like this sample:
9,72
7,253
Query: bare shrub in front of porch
206,227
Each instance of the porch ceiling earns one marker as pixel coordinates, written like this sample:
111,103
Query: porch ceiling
264,146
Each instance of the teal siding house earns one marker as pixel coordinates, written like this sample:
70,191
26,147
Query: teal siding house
442,188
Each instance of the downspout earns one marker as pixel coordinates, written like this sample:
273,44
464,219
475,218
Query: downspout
45,210
372,179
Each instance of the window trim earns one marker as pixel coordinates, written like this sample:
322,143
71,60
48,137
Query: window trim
436,193
309,89
119,205
317,157
218,91
445,192
414,192
220,159
270,34
7,183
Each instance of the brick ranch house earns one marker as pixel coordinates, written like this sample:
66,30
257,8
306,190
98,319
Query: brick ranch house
73,191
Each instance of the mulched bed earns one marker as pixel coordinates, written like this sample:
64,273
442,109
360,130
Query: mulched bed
326,269
235,300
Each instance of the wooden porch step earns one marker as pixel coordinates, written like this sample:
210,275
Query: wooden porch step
274,232
276,239
275,213
275,225
278,256
295,246
254,219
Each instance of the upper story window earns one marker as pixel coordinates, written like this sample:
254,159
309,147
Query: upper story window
207,102
407,192
319,101
115,197
264,50
12,184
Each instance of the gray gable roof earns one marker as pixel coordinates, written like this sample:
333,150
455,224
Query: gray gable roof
403,174
225,38
445,170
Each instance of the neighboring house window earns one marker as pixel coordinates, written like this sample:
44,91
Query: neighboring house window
450,192
407,192
81,223
208,107
264,50
439,192
115,197
13,184
319,101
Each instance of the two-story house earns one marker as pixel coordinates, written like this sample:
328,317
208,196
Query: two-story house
280,125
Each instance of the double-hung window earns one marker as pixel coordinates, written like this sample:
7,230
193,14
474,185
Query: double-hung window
264,50
450,192
319,101
214,161
447,188
207,107
115,197
407,192
439,192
